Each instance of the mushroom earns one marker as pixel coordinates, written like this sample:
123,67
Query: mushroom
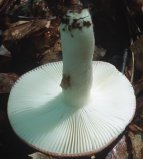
93,106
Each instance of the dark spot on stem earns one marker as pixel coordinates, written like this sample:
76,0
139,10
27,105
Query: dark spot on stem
66,81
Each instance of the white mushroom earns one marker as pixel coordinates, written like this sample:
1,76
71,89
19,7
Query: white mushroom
93,107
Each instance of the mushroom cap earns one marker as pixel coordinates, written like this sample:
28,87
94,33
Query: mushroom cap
40,117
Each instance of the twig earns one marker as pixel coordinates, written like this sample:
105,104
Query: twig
133,67
124,60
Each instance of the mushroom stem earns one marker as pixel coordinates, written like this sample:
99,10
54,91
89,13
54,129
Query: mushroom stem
77,40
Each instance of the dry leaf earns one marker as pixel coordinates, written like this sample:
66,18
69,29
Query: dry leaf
38,155
135,128
138,86
137,49
19,30
119,151
7,80
137,145
137,46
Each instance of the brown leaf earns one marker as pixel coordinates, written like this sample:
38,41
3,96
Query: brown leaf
137,48
140,103
138,86
5,4
18,30
135,128
39,155
137,144
7,80
119,151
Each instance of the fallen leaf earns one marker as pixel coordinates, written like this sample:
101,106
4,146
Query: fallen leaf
137,144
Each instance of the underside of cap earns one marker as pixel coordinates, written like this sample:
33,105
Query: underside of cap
40,117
